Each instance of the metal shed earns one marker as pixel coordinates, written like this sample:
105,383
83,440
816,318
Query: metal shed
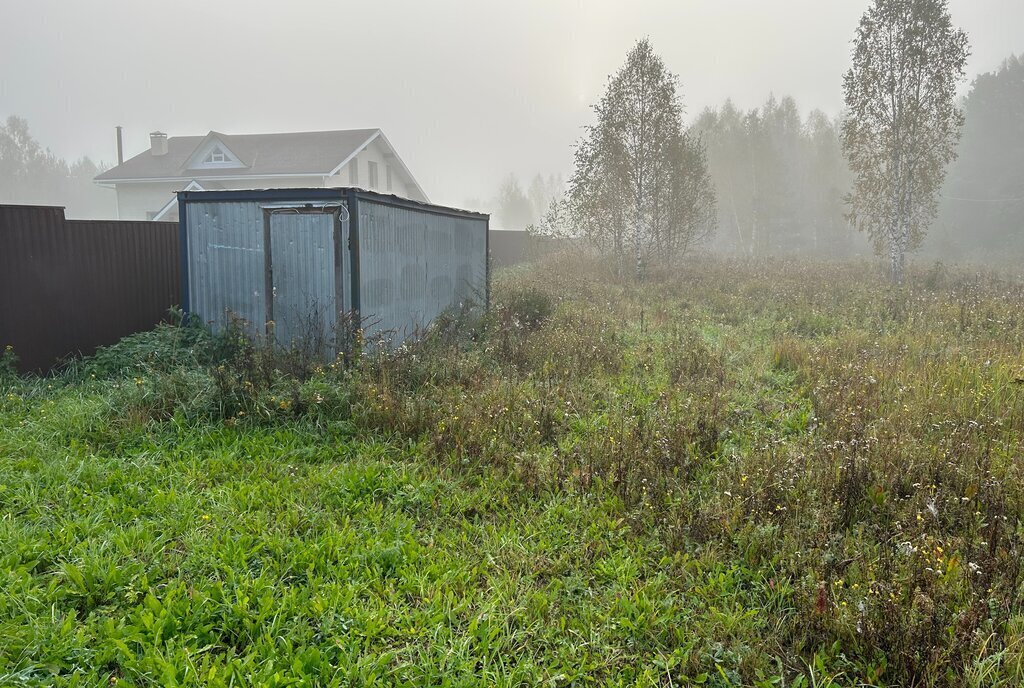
296,264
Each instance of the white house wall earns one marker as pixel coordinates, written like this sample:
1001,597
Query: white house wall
136,200
375,152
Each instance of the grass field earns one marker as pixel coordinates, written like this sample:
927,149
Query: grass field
756,474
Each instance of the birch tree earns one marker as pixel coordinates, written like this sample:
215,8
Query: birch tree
641,190
902,125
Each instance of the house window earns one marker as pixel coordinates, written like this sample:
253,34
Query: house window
371,170
353,172
387,176
216,156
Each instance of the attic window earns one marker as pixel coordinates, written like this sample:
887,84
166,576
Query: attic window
217,155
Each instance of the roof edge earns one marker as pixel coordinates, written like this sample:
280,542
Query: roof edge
357,151
405,168
132,180
299,195
201,139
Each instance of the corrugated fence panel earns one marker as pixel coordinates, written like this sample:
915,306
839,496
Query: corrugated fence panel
69,286
415,264
510,247
226,263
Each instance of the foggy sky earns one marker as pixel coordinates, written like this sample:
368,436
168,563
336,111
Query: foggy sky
466,91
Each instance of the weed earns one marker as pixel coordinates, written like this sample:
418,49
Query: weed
8,365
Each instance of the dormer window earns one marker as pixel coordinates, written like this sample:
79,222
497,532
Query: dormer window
216,156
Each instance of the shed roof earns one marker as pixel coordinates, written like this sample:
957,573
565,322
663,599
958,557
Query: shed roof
315,194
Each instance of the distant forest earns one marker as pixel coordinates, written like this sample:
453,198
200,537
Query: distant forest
982,212
30,174
781,180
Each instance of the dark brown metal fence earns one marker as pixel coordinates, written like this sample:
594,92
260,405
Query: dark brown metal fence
69,286
509,247
515,246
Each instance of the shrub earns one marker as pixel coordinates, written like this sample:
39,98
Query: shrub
529,307
936,277
184,392
161,349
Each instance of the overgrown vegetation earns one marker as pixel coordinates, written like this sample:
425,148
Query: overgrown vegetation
756,474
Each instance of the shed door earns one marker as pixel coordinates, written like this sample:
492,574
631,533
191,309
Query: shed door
305,272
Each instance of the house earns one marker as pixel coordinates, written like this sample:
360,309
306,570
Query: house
147,183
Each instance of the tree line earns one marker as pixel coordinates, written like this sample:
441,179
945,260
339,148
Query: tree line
646,189
516,208
780,179
32,175
981,212
783,181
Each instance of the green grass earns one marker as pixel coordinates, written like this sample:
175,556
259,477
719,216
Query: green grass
744,474
267,557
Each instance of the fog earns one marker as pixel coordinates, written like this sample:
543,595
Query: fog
467,91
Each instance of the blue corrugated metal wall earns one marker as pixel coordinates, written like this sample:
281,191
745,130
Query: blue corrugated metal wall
412,260
414,265
303,258
226,263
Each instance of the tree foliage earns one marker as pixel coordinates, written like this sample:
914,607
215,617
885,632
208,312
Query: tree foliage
983,200
543,192
902,124
780,179
514,210
641,189
31,174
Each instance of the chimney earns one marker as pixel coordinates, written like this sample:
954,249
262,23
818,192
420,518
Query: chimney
158,143
120,147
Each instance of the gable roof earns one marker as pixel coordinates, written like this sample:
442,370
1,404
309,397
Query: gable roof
212,141
170,211
306,153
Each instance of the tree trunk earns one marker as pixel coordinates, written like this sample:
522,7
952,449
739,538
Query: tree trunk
736,221
897,262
